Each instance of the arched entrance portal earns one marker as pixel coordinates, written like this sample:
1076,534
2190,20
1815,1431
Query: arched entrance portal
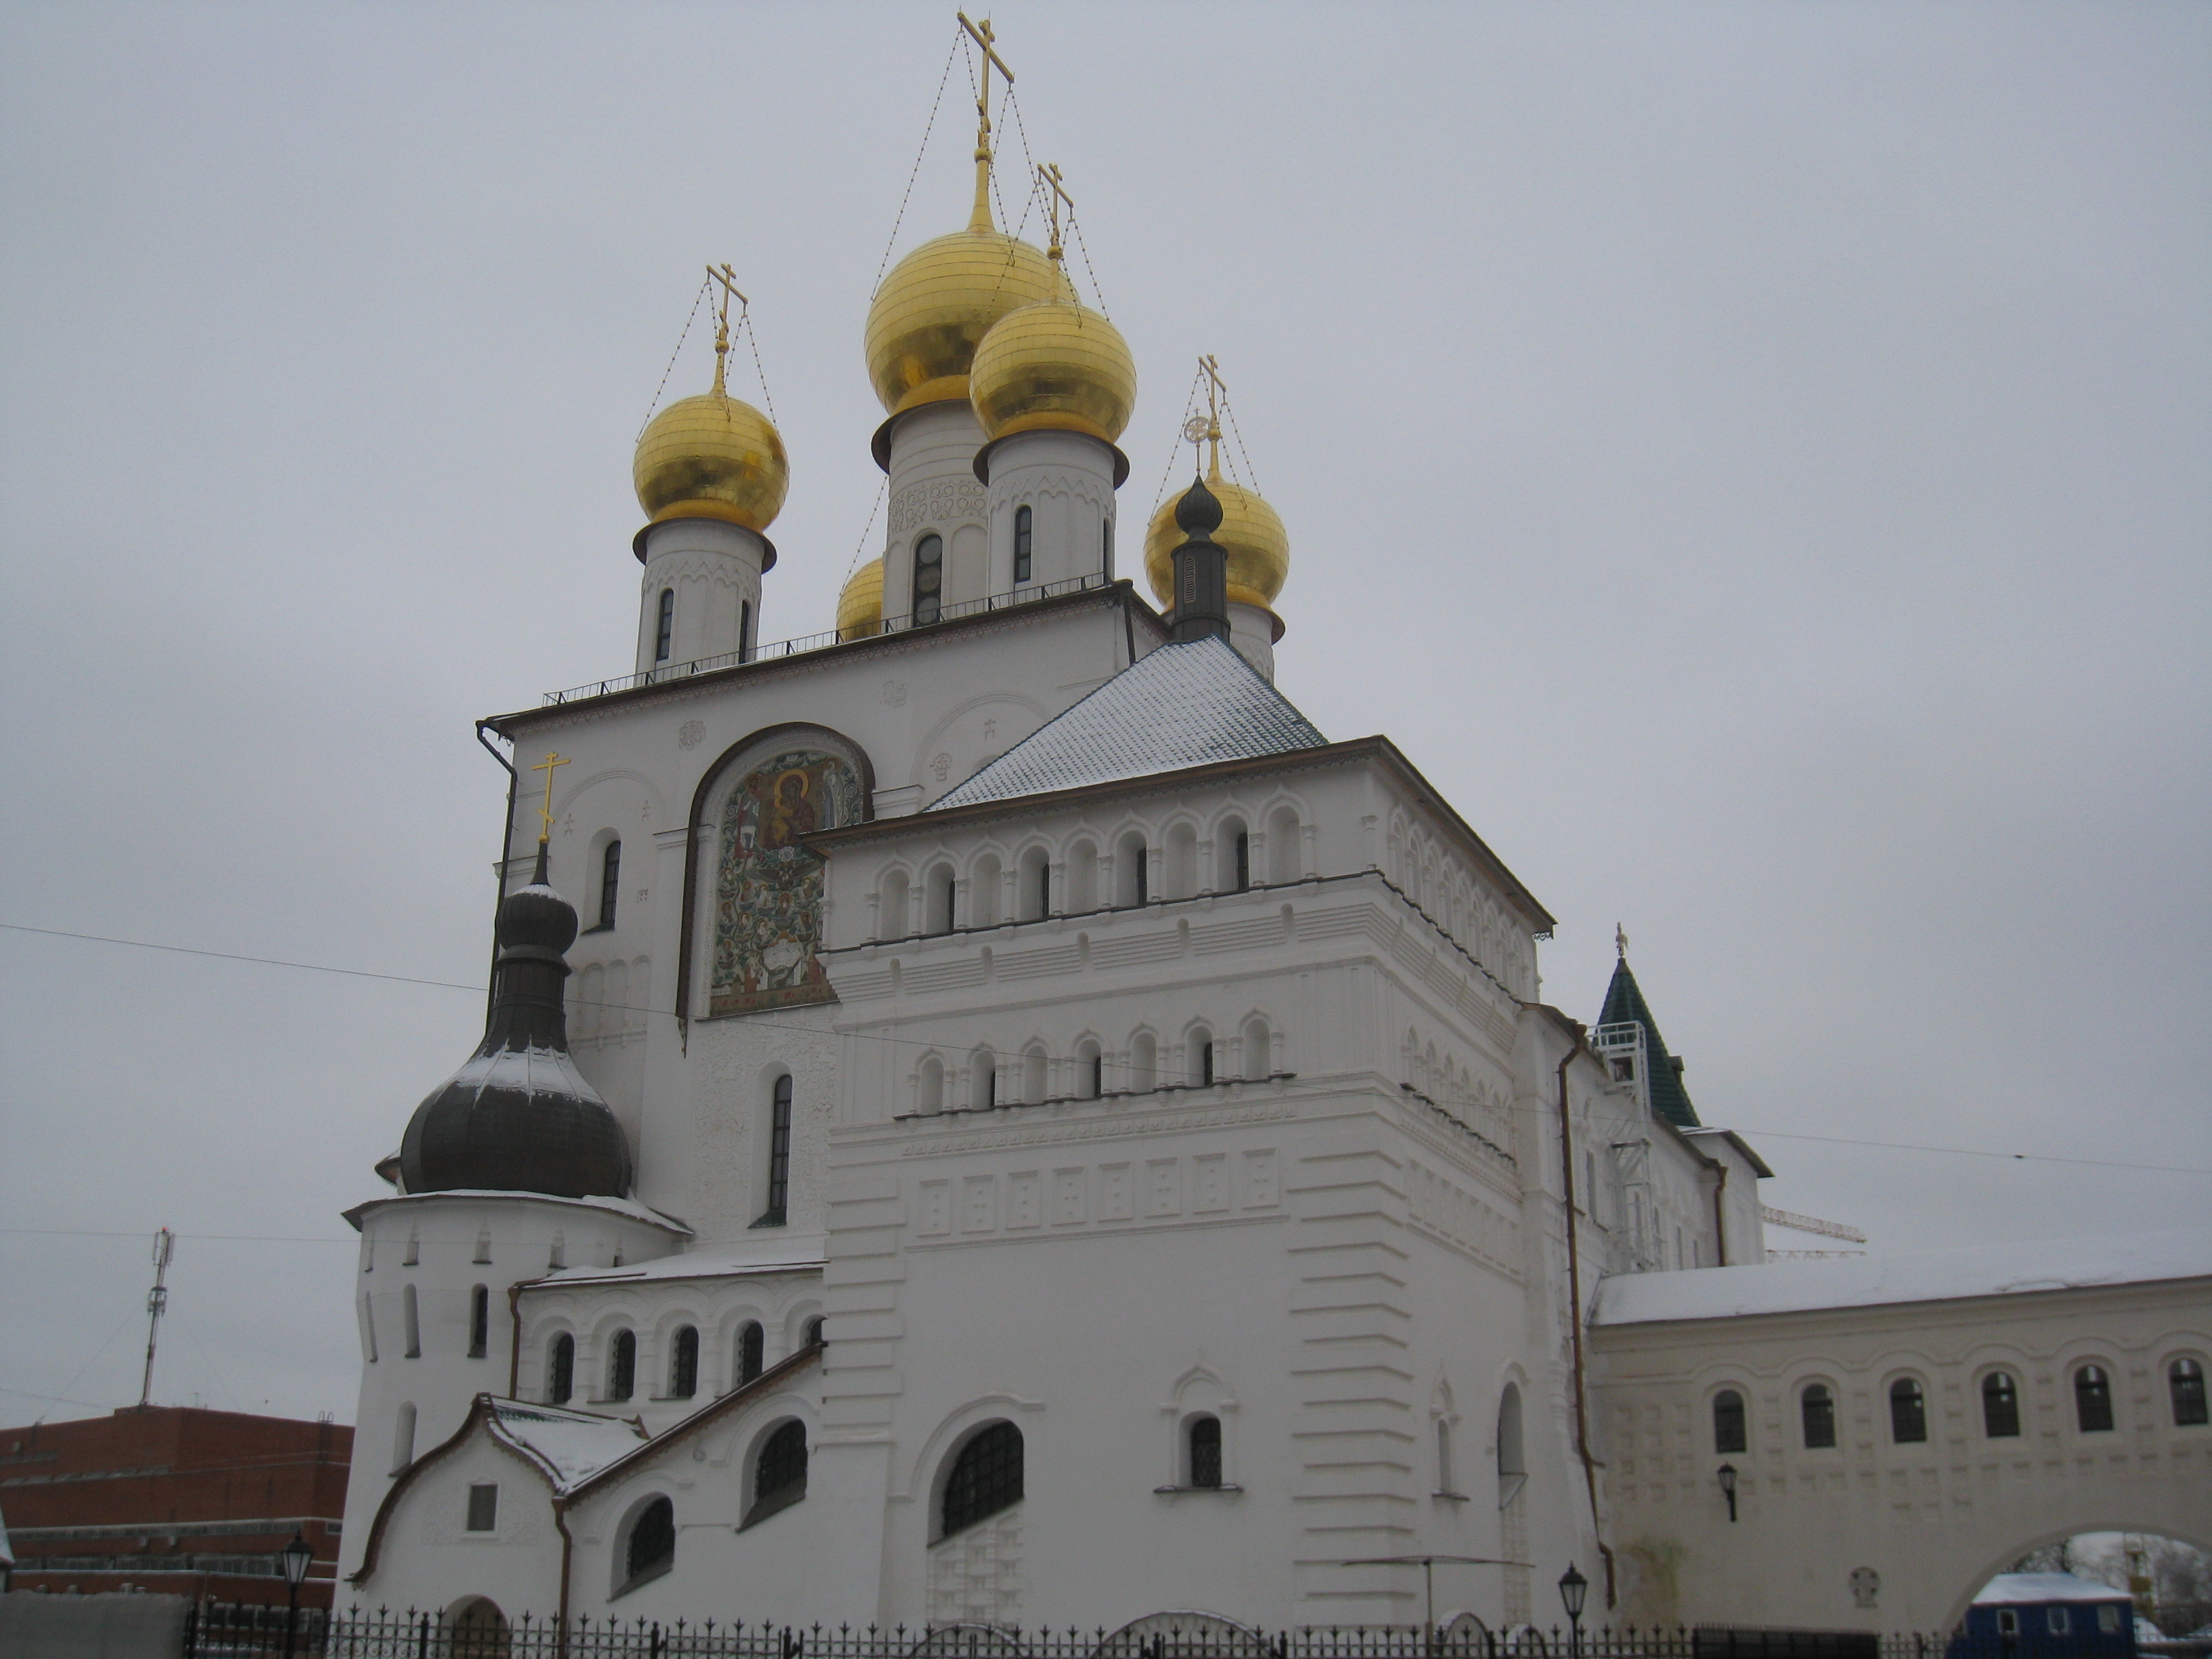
477,1628
2168,1578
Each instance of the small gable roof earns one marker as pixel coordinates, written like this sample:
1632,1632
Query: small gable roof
1624,1001
1181,705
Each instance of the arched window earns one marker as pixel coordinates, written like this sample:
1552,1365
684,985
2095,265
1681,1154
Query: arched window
1444,1455
663,636
561,1369
1144,1063
779,1474
1816,1407
2185,1387
411,1318
684,1364
609,882
1202,1435
1023,543
1241,860
1201,1057
986,1477
1035,894
752,1350
1512,1462
937,904
2000,1406
779,1153
982,1079
891,906
1034,1069
815,1337
2092,1400
744,630
1908,1412
1131,877
1729,1434
480,1322
1089,1071
652,1549
621,1366
1258,1061
929,1087
928,579
402,1438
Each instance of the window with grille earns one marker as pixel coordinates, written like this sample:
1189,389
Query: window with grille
1204,1451
684,1364
929,579
2092,1400
1727,1421
1023,543
2184,1385
651,1541
779,1474
483,1508
609,883
561,1369
752,1344
1908,1412
986,1477
621,1366
480,1322
663,636
779,1153
1819,1409
2000,1406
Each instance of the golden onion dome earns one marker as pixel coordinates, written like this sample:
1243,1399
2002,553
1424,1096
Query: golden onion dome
940,301
1259,548
1058,365
712,457
860,606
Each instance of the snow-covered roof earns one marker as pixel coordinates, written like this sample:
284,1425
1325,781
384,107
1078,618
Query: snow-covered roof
1182,705
2016,1588
571,1447
777,1256
1925,1276
628,1207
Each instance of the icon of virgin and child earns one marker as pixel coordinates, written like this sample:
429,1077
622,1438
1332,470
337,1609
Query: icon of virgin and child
767,901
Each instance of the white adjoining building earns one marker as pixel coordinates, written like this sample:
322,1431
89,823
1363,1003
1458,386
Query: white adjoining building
991,1118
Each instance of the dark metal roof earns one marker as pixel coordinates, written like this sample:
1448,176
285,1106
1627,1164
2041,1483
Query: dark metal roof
1624,1001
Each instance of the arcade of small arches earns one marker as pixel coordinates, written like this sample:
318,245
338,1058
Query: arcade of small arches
1438,884
1247,1051
1090,873
608,1364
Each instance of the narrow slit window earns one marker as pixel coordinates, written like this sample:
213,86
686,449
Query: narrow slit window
480,1322
744,630
752,1347
1243,860
609,883
663,636
1205,1451
1023,543
779,1153
929,579
403,1439
411,1317
684,1364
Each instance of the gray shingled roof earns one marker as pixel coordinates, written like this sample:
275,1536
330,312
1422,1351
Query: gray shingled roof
1183,705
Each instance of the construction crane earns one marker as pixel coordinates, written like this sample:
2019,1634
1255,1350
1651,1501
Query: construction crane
1810,1224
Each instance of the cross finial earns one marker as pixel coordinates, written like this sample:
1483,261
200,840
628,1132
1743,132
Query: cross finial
1620,940
546,812
982,34
1217,391
728,279
1049,174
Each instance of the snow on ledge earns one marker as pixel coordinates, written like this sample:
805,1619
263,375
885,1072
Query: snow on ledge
629,1208
799,1255
2033,1588
1923,1276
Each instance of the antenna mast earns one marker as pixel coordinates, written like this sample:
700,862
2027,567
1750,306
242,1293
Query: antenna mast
157,1304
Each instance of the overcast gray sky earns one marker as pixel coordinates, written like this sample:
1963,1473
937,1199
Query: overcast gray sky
1757,460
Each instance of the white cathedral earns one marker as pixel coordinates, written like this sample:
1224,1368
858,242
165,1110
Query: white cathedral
989,1118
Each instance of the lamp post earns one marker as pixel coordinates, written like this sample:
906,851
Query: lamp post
1573,1587
1728,1487
294,1559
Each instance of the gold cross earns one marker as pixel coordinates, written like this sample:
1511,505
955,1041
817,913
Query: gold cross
546,812
982,34
728,279
1217,393
1049,176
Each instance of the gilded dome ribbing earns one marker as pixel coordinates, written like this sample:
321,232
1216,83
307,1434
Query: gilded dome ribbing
938,303
1258,546
1057,364
712,457
860,606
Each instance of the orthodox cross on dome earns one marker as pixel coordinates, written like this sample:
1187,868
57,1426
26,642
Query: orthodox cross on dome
1049,176
982,34
728,279
1207,428
546,812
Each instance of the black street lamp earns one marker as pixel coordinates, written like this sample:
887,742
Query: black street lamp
1728,1487
294,1559
1573,1587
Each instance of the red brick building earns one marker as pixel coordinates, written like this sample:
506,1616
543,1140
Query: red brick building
174,1501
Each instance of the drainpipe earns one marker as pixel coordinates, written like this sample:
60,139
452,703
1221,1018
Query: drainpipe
505,847
1720,1213
567,1550
1575,1307
515,1345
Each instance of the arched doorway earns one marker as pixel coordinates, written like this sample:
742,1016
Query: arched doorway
2167,1580
477,1628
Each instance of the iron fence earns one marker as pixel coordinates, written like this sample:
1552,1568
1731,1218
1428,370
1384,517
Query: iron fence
214,1630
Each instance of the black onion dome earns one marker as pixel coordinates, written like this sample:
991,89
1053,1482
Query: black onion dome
1198,514
520,1117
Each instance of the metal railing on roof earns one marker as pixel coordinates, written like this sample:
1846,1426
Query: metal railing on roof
663,673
